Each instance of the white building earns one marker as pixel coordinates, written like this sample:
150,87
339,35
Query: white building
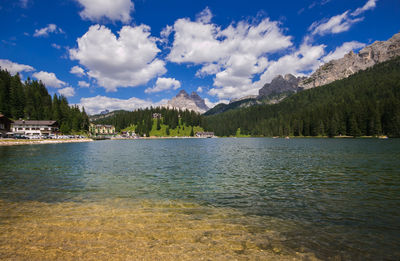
33,128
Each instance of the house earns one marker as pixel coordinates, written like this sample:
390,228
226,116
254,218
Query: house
33,128
98,129
157,115
5,125
209,134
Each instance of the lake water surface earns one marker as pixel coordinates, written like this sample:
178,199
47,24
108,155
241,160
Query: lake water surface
218,199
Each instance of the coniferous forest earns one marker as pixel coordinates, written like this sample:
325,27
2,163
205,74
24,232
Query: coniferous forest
31,101
364,104
143,119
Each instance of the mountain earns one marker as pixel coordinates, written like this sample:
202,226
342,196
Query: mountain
366,103
281,84
271,93
192,102
379,51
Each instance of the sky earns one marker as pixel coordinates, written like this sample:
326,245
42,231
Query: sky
129,54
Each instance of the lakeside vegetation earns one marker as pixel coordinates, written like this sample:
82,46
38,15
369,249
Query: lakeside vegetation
182,130
31,101
365,104
171,122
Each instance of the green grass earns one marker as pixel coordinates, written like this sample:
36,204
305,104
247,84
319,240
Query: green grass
180,131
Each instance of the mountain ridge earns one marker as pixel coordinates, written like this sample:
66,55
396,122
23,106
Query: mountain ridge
192,102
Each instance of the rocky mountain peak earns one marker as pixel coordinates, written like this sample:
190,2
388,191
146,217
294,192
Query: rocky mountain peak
182,93
379,51
183,101
280,84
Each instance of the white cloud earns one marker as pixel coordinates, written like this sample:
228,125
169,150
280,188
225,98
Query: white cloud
14,68
370,4
83,84
305,59
99,103
67,91
115,10
336,24
127,61
234,54
165,33
51,28
204,16
342,50
199,89
77,70
164,84
49,79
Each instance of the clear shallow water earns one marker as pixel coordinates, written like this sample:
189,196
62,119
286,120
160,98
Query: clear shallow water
211,198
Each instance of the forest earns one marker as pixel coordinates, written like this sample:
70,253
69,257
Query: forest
142,120
364,104
31,101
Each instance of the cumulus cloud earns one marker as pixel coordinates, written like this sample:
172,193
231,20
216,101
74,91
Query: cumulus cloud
14,68
116,10
164,84
83,84
370,4
77,70
336,24
49,79
125,61
99,103
205,16
342,50
51,28
67,91
234,54
199,89
305,59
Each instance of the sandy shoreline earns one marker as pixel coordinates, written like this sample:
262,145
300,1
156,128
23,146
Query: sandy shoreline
12,142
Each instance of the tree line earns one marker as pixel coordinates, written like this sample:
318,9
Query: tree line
143,119
364,104
31,101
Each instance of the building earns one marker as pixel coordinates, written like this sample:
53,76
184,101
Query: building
98,129
157,115
34,128
209,134
5,125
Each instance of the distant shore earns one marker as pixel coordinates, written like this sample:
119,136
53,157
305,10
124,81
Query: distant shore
12,142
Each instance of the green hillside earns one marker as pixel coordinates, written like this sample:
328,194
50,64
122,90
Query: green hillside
182,130
365,104
172,122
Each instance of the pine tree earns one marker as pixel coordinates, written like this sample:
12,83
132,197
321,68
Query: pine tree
158,124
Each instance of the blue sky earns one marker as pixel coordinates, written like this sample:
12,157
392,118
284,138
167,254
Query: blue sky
127,54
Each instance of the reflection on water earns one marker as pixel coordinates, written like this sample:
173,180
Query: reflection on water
121,230
228,198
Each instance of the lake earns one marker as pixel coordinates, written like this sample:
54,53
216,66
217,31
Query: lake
218,199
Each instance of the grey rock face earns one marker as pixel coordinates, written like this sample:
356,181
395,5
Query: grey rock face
243,98
351,63
200,103
281,84
183,101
